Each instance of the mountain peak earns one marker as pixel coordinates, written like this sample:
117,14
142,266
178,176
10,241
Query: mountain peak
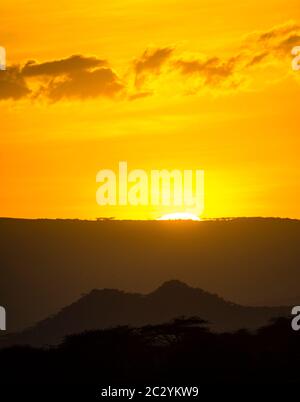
173,284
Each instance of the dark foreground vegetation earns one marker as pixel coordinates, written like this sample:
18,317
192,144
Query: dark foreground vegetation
181,352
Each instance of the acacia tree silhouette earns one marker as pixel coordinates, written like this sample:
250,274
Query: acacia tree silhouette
178,352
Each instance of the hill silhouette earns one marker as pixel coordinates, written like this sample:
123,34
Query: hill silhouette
47,264
109,308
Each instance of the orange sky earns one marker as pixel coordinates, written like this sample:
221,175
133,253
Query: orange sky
194,84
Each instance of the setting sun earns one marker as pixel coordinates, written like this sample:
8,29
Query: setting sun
179,216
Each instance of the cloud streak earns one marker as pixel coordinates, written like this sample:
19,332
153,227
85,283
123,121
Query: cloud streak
60,67
151,62
259,49
213,70
80,77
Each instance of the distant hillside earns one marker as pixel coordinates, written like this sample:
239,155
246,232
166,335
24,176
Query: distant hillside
109,308
47,264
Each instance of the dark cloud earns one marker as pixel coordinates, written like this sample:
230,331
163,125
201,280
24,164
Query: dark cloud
82,77
84,85
288,43
257,59
140,95
213,70
257,49
12,84
278,32
76,77
63,66
276,42
151,62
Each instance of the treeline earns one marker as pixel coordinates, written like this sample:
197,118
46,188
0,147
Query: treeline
181,352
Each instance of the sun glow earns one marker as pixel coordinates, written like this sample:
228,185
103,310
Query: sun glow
179,216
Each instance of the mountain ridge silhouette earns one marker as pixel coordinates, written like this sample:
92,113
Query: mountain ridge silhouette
108,308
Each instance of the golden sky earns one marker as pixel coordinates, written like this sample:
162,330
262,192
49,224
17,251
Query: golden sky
193,84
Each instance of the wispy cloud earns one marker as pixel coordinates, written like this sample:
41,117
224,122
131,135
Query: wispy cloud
151,62
85,77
